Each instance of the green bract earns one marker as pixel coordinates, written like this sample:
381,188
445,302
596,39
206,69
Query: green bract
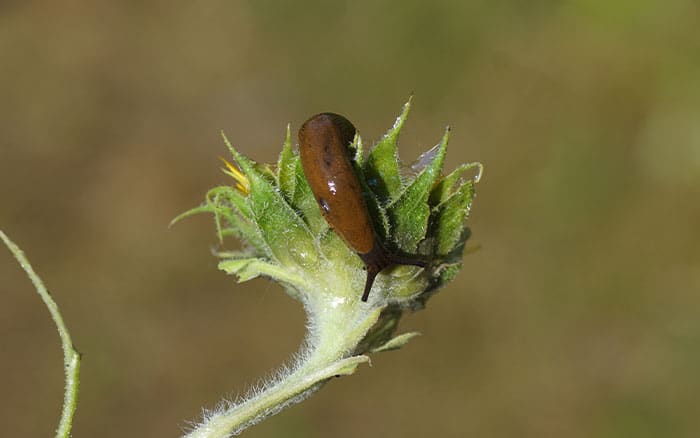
415,211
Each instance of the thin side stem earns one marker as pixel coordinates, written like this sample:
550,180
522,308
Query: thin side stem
71,357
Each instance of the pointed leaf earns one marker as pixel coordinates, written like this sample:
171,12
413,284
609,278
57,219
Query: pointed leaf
233,198
288,238
382,165
410,212
231,206
448,222
444,188
204,208
248,268
396,342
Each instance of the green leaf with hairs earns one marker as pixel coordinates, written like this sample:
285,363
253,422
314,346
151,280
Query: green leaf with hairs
396,342
410,212
278,223
381,169
449,217
252,267
445,187
204,208
234,217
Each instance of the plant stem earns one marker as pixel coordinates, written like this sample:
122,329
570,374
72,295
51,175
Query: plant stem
292,389
337,331
71,357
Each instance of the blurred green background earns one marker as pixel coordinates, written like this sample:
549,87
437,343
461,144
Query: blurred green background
579,316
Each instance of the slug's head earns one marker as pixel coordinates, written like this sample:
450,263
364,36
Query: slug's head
323,128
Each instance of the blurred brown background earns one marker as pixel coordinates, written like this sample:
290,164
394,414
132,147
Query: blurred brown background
579,317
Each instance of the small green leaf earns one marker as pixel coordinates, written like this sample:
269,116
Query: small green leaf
449,272
242,229
409,213
234,200
403,281
381,168
239,267
448,222
444,188
278,223
204,208
376,211
248,268
396,342
229,204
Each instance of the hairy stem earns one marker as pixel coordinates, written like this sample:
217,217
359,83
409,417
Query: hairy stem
292,389
335,331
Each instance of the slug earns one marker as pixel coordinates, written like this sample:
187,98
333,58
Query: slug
327,165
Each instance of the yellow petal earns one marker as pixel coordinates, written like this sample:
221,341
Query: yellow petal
242,183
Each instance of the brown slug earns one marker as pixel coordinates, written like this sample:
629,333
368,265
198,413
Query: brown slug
326,161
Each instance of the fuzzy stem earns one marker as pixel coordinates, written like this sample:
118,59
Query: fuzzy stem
290,390
71,357
335,331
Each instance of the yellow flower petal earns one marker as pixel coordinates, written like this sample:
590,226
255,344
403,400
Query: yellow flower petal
242,183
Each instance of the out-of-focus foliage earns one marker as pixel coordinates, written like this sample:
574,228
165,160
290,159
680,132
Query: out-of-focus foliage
577,317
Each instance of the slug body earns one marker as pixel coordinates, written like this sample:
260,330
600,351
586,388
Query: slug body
327,165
